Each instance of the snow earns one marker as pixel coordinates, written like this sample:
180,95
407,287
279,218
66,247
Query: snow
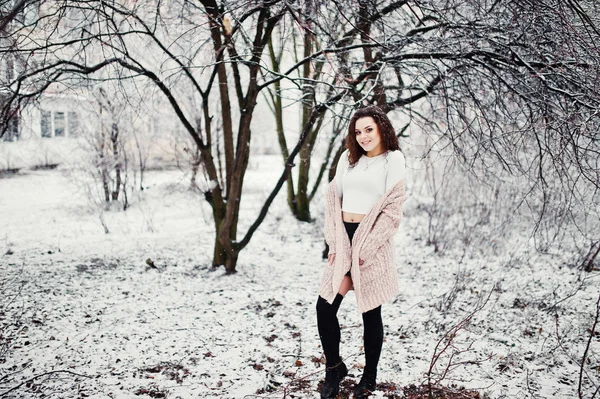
92,307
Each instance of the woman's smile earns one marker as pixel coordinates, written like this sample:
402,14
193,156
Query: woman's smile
368,137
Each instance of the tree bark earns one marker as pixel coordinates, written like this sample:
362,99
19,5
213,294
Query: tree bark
278,112
114,138
215,32
228,230
308,95
105,176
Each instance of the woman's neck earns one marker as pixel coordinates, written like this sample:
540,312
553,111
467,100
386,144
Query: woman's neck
374,152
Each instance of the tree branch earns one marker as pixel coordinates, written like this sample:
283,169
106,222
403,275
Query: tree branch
5,393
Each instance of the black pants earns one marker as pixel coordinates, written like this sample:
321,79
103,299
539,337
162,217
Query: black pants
329,327
350,230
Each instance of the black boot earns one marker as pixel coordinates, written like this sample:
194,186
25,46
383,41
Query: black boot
366,386
333,376
373,342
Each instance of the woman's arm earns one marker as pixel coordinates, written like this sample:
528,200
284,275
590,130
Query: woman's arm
329,218
331,199
386,224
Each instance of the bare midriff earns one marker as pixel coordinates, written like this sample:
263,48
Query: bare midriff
352,217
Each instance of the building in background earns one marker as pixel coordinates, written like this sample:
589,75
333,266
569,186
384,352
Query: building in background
63,124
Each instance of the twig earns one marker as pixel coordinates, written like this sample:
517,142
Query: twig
587,348
286,388
574,292
529,388
41,375
447,341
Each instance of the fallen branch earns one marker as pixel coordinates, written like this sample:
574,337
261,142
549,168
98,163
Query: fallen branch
587,350
447,342
5,393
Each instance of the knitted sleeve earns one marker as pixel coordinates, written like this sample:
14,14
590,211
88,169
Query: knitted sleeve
334,193
386,224
330,199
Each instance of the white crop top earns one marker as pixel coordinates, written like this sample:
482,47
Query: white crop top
361,186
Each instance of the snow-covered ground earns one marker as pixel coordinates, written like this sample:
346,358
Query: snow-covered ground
85,307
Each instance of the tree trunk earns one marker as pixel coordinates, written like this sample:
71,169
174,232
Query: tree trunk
103,168
234,197
114,138
302,202
278,112
291,195
141,164
218,205
105,182
304,195
125,168
215,16
219,253
231,262
224,253
228,230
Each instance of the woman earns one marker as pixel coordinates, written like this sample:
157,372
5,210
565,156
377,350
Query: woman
364,209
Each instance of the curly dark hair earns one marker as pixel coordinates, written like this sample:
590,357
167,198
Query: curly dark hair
389,141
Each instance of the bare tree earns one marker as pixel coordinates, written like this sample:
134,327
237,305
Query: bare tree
509,84
495,75
104,43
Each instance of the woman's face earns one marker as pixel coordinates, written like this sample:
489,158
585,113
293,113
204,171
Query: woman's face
367,136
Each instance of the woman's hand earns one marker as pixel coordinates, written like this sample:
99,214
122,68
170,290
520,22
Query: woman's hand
331,259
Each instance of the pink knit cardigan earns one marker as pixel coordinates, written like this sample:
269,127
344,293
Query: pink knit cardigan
376,280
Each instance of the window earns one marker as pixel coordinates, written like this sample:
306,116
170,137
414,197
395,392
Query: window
73,121
46,124
12,129
59,124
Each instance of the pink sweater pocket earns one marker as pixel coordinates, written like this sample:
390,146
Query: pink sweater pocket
376,266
